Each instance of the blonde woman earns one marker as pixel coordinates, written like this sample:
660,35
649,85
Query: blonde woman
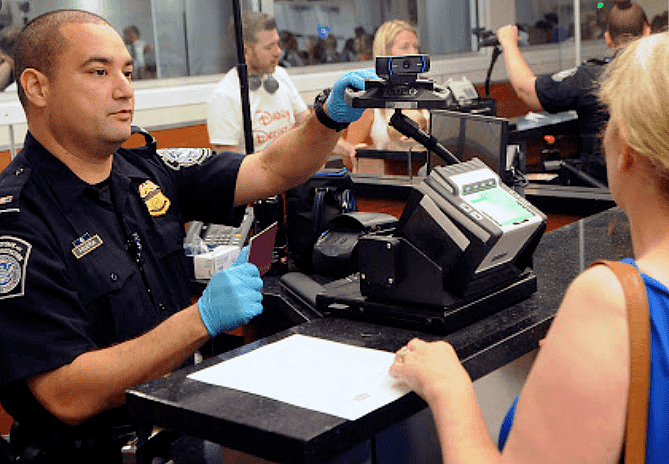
573,405
393,38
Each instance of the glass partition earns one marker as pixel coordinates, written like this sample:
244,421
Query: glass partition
181,38
178,38
339,31
553,22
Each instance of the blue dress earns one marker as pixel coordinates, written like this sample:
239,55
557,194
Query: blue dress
657,442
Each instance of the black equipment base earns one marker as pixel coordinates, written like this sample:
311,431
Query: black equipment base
343,298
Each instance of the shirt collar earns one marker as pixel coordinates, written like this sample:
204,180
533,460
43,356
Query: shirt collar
62,181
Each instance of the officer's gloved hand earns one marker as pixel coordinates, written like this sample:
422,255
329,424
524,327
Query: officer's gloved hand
338,109
232,297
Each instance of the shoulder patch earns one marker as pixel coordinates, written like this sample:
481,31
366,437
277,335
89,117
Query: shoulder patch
562,75
14,254
177,158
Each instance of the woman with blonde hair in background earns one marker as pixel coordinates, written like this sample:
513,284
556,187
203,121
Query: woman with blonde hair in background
393,38
573,405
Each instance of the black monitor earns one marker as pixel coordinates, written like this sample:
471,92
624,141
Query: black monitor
468,135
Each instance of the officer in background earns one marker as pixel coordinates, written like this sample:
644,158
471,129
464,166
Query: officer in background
94,292
575,89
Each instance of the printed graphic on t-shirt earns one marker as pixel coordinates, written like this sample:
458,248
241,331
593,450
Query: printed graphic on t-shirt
269,126
562,75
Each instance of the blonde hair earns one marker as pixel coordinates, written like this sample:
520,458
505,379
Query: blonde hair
385,35
636,91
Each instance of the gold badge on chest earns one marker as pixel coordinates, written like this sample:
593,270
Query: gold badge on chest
156,202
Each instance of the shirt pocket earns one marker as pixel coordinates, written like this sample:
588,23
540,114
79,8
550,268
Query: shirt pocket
103,271
165,238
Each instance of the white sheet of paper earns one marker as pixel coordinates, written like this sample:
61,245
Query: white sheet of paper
334,378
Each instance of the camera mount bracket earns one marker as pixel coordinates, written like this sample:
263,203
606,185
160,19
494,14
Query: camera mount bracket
407,126
418,94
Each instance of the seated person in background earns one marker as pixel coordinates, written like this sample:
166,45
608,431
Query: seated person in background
8,36
575,89
275,104
136,47
348,53
574,403
331,53
393,38
94,295
660,22
315,50
363,44
291,54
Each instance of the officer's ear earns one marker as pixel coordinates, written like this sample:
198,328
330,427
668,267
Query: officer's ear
36,86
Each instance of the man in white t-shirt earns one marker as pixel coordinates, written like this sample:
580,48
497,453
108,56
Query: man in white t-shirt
275,104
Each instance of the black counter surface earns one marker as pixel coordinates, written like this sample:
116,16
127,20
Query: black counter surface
285,433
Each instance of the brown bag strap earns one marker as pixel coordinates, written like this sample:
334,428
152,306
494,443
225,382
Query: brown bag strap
638,317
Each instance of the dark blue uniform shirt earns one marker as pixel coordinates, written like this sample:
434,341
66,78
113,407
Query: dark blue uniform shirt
576,89
83,267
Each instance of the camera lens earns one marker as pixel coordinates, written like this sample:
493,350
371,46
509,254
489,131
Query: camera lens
406,64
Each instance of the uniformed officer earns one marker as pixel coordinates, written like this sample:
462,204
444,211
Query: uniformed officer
575,89
93,278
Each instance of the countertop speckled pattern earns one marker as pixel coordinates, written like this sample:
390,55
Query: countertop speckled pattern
285,433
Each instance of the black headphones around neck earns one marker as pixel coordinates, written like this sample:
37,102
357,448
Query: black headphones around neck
270,84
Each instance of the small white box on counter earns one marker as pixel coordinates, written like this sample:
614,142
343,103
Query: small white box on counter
221,257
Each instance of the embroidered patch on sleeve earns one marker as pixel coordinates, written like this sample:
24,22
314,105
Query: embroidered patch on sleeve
14,254
562,75
176,158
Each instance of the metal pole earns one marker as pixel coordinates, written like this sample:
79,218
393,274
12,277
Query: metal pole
243,76
185,18
12,142
577,31
156,45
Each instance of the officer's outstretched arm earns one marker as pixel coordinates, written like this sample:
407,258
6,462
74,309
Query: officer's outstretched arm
97,380
520,75
295,156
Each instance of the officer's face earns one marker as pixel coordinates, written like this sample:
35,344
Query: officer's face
91,99
263,56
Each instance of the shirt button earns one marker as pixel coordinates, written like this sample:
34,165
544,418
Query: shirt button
113,277
18,172
148,290
161,306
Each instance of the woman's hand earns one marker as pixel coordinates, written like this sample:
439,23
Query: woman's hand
430,369
346,150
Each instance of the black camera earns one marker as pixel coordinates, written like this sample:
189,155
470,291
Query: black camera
399,86
387,66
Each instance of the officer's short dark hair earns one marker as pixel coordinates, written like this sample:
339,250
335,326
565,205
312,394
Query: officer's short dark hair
252,23
40,42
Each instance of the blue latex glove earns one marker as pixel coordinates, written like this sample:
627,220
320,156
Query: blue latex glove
337,108
232,297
